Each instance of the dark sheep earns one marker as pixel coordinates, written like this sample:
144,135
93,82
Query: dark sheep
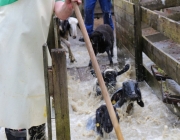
103,120
109,77
102,40
128,93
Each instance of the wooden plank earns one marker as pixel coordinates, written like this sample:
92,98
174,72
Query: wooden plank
138,43
166,55
178,72
168,27
125,5
126,25
123,14
118,3
171,13
148,31
154,84
172,50
149,17
158,4
154,54
175,16
129,36
157,37
121,40
60,94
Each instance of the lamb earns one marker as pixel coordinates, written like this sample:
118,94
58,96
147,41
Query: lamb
109,77
103,120
128,93
102,40
68,27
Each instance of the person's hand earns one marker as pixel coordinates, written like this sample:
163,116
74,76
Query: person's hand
69,3
65,9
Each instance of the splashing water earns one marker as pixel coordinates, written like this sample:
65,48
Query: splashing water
153,122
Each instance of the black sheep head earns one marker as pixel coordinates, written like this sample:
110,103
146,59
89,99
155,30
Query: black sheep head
96,38
132,92
109,76
129,89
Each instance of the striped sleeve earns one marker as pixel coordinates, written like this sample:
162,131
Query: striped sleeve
6,2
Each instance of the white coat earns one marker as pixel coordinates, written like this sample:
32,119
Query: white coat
24,28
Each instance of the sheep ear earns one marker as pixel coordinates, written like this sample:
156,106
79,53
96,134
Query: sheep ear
92,41
103,38
116,73
69,32
103,75
68,26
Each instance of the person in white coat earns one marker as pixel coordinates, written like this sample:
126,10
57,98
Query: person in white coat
24,26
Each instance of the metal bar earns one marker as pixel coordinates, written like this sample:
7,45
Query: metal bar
45,61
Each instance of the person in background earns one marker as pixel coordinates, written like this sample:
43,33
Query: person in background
89,6
24,26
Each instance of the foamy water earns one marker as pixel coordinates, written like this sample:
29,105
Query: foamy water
153,122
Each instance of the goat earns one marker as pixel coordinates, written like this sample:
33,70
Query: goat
68,27
102,40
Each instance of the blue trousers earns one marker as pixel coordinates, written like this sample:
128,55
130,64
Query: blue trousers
89,6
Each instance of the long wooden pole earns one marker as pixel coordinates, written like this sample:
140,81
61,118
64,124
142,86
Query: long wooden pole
98,73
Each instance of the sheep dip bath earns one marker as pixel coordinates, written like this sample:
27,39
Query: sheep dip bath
153,122
145,123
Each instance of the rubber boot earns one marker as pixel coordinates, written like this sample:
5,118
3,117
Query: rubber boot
15,134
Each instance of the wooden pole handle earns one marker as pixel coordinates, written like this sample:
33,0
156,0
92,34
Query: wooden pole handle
98,73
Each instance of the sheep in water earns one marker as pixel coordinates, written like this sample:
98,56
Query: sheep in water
102,40
128,93
103,121
68,27
109,77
